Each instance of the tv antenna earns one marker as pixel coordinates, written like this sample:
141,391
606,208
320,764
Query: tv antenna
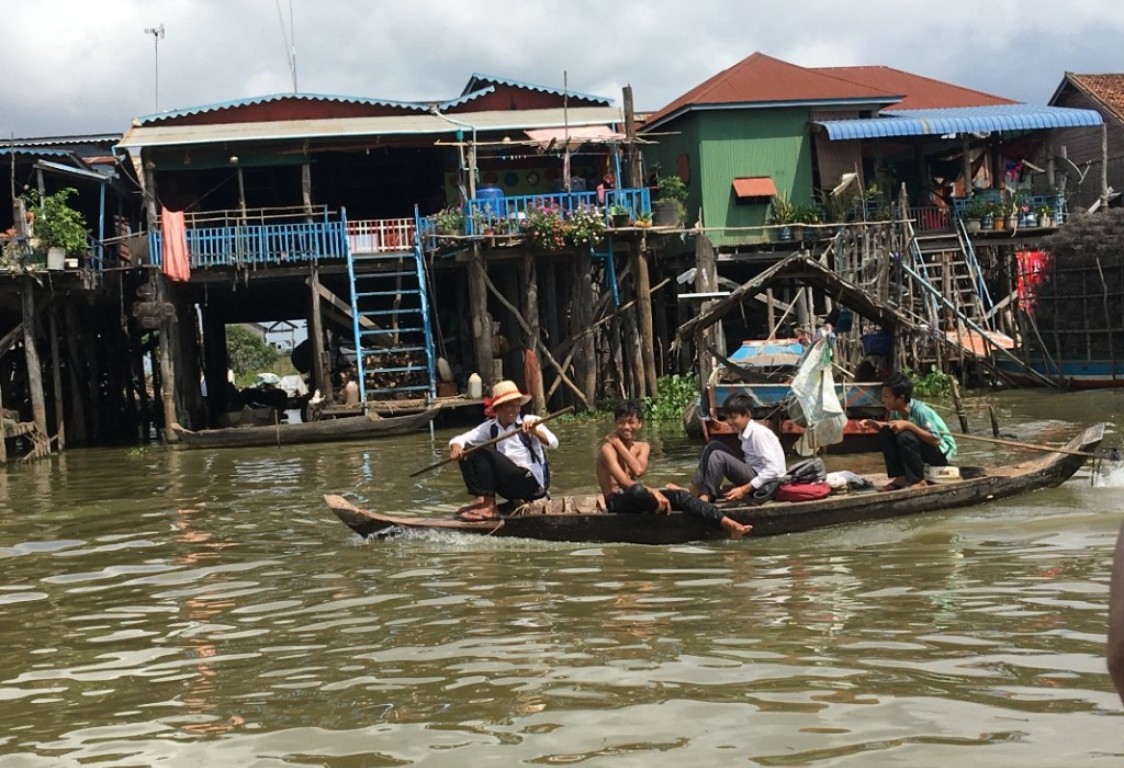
157,35
289,36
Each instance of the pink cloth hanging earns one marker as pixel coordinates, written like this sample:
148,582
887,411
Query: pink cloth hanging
173,250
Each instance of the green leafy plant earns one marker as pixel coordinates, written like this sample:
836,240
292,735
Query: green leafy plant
616,209
673,188
448,221
644,219
249,354
784,210
585,225
56,224
935,383
976,208
836,208
676,392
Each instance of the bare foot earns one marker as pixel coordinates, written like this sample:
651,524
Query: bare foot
476,503
674,487
734,528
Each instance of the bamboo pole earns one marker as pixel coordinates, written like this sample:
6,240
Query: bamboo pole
31,352
56,379
1021,444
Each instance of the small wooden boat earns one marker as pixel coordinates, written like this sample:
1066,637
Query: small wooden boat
581,519
323,431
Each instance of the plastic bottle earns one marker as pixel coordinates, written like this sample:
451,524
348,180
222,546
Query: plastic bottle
475,387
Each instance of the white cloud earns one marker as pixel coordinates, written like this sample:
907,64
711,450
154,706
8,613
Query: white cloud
87,66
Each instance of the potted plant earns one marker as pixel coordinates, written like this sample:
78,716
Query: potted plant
585,225
974,211
60,229
644,220
1043,214
784,215
803,215
620,215
671,208
544,228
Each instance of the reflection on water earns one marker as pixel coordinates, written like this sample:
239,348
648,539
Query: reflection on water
178,608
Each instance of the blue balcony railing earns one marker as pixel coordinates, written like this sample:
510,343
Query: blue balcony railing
514,209
254,244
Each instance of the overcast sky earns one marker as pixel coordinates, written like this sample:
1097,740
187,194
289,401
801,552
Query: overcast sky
87,66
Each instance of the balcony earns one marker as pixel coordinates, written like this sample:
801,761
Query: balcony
483,212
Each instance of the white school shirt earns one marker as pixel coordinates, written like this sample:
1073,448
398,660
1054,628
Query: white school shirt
763,453
512,447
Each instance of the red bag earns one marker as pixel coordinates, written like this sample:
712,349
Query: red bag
802,492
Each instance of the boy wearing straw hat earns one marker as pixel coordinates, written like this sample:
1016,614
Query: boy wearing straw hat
515,468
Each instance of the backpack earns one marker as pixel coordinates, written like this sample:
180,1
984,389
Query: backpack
538,454
809,472
802,492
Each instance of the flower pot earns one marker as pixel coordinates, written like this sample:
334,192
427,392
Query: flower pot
972,225
56,258
620,220
987,222
998,223
665,213
1044,220
1012,222
783,234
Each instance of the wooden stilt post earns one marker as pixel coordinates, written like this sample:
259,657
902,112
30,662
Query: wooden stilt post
528,276
79,381
644,318
56,380
481,320
167,366
321,375
31,352
3,440
215,363
580,320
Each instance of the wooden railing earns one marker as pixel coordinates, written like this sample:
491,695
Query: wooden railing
381,235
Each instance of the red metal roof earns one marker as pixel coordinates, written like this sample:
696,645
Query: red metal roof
1108,89
762,79
918,92
754,186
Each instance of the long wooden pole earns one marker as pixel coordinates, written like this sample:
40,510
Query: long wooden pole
1020,444
491,442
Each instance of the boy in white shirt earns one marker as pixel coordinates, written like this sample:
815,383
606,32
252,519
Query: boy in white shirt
515,468
760,460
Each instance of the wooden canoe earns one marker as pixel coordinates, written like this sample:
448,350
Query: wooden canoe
323,431
580,519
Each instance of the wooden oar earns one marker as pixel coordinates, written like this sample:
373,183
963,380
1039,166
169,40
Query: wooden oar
1012,443
1020,444
493,441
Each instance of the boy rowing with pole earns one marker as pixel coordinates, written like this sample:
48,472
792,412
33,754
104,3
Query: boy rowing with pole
623,459
516,468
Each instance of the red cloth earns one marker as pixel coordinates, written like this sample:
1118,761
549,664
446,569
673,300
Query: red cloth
1031,265
173,249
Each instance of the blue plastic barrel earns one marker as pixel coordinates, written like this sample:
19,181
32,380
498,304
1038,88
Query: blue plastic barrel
492,200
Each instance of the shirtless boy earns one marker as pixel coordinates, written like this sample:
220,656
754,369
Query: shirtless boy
623,460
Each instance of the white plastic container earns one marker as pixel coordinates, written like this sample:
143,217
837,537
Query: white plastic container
475,387
56,258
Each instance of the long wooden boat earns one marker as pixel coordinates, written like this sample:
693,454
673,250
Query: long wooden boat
580,519
323,431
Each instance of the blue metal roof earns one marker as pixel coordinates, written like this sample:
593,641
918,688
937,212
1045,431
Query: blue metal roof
413,106
938,122
34,151
467,97
478,78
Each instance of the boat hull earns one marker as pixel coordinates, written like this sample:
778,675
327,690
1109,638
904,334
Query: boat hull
325,431
1075,374
579,519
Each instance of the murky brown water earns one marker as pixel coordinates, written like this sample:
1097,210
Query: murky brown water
203,608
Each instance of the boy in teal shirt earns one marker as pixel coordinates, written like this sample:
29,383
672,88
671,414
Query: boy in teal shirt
913,435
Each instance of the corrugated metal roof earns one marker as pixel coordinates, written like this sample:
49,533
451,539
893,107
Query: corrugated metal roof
467,97
478,78
420,124
754,186
410,106
938,122
34,151
56,141
919,92
759,80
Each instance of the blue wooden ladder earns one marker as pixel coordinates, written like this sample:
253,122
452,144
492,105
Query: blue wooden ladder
391,323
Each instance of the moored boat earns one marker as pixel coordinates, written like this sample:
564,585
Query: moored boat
323,431
582,519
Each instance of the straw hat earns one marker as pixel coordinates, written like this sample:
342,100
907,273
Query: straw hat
505,391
